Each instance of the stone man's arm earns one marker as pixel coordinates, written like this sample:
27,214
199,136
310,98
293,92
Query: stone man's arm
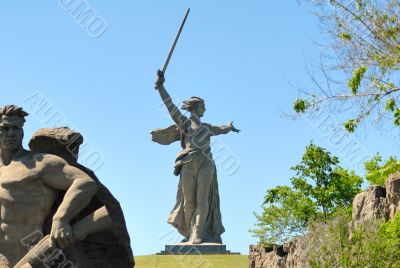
80,189
224,129
176,115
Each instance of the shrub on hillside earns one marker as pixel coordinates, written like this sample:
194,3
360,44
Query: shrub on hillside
373,245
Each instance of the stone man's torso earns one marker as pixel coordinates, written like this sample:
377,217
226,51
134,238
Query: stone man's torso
25,201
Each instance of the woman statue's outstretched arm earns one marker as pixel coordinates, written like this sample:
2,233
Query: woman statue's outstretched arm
176,115
224,129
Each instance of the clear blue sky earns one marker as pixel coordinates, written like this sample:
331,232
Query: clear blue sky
242,57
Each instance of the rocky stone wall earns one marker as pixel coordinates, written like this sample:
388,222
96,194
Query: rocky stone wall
261,257
368,206
290,255
392,195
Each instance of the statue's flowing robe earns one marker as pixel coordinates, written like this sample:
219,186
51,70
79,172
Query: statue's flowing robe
213,227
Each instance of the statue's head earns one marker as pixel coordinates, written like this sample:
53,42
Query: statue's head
12,119
194,105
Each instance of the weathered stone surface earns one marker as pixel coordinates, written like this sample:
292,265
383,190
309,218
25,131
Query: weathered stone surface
297,254
261,257
29,185
392,195
61,141
368,206
110,248
3,262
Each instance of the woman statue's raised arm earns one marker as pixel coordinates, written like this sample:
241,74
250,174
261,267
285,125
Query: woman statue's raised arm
176,115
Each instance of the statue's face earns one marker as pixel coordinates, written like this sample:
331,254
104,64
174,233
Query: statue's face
11,132
200,109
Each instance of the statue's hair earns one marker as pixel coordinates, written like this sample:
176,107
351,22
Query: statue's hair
13,110
190,104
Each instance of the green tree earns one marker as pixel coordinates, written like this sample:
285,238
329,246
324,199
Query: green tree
359,73
378,172
320,177
319,189
286,213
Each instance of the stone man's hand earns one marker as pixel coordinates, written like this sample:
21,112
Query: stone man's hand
160,80
61,233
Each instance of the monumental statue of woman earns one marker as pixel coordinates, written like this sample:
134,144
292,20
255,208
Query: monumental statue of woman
196,214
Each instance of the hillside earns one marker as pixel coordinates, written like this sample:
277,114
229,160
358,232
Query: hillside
192,261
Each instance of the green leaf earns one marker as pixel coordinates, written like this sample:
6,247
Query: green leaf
301,105
390,105
345,36
355,81
396,115
350,125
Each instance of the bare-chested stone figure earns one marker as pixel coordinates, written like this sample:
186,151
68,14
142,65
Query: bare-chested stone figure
29,185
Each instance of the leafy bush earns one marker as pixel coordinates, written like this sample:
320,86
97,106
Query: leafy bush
377,172
373,245
319,188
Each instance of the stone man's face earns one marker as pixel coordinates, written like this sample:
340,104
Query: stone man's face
11,132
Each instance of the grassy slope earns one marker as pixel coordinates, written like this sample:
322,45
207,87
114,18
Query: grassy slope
191,261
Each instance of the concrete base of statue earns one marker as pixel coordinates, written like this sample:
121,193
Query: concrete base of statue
196,249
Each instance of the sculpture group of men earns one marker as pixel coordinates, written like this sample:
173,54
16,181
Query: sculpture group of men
40,189
29,185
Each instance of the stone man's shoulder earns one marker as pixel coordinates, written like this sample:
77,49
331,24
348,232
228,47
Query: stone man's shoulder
44,160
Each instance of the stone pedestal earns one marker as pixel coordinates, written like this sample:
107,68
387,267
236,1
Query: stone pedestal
200,249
